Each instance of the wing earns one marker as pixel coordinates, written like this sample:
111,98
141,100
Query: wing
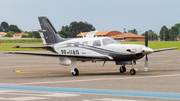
78,57
165,49
39,47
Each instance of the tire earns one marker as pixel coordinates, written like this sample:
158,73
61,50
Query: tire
76,72
132,72
122,69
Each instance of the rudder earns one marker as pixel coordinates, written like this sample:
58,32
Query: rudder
50,34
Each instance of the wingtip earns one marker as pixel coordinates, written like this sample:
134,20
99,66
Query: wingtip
16,47
8,53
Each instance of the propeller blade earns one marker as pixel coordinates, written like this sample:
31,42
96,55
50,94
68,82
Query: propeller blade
146,39
146,64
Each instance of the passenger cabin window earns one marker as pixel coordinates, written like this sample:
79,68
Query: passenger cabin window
85,43
97,43
76,44
107,41
68,44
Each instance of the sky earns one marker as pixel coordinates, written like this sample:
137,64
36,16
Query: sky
107,15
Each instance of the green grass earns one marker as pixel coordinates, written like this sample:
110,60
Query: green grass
151,44
21,40
158,44
8,46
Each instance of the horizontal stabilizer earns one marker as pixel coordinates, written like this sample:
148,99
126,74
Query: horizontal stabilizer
165,49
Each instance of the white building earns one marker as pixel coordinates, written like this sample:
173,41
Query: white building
19,35
2,34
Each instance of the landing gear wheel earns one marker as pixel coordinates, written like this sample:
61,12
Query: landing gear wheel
122,69
76,72
133,71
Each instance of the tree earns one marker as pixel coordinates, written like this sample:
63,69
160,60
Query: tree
4,26
25,36
10,34
14,28
173,33
125,30
134,31
164,33
63,34
77,27
178,25
151,35
1,29
34,34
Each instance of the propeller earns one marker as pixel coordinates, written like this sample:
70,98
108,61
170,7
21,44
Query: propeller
146,39
146,59
146,64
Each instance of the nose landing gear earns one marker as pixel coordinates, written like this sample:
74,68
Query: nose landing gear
133,71
122,69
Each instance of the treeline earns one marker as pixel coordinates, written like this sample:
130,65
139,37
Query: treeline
74,28
20,40
13,29
66,31
170,34
165,34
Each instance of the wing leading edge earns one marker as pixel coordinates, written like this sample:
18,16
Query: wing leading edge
79,57
165,49
50,48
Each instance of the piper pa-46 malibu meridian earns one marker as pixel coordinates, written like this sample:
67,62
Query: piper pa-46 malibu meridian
69,51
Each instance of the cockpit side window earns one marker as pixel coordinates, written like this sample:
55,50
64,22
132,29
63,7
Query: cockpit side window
76,44
107,41
97,43
68,44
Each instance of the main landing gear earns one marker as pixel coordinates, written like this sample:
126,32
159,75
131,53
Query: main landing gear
76,72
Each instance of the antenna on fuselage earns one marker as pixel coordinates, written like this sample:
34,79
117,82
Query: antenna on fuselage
82,34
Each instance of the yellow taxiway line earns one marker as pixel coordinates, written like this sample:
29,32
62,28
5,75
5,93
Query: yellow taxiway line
30,70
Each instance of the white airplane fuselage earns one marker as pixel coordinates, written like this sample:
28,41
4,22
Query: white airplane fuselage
99,46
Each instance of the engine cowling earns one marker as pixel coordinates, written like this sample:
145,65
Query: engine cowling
64,61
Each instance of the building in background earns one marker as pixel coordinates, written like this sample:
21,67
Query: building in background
114,34
129,37
100,33
19,35
2,34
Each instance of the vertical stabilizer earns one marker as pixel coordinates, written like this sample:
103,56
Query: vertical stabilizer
50,34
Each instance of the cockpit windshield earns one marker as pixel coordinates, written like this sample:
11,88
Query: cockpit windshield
107,41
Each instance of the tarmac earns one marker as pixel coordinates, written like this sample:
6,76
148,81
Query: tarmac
36,78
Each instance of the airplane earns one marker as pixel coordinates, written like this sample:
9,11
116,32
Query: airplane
91,48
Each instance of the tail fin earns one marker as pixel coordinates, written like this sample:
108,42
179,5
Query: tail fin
50,34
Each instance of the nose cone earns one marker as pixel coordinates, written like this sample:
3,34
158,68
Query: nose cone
147,50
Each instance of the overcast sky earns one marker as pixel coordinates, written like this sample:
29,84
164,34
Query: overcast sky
108,15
